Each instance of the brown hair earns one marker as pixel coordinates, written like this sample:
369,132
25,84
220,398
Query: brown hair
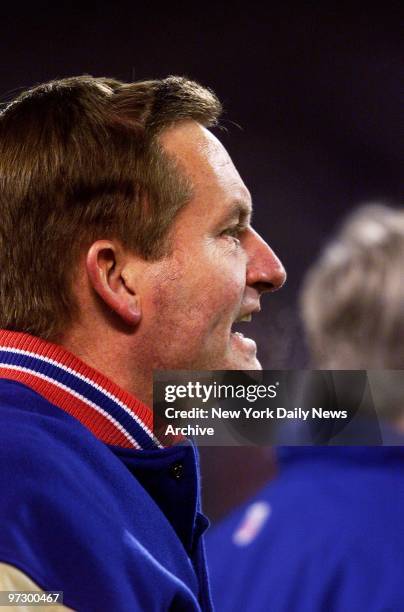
80,160
353,296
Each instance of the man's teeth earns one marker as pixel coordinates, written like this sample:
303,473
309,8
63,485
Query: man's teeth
246,317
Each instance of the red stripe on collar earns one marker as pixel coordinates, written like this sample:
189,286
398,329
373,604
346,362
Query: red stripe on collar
116,417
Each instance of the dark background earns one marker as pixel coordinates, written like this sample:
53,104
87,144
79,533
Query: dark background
316,93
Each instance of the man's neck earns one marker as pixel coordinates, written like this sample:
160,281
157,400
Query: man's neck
114,359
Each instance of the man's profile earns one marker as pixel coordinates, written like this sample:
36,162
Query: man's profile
125,246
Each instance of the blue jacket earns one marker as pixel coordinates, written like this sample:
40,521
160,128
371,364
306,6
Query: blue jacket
114,526
327,535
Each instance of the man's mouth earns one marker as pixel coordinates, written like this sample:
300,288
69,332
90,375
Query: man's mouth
247,318
235,328
240,344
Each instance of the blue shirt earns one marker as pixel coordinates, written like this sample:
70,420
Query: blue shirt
326,535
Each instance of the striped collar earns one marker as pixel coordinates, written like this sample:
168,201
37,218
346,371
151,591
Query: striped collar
113,415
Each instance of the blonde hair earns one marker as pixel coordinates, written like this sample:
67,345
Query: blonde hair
353,296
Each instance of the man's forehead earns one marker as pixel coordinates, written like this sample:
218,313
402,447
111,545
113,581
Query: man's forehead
191,137
205,160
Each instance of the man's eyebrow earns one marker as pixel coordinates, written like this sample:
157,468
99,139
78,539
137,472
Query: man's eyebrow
240,209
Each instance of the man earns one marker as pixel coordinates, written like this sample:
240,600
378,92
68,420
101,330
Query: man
126,246
327,533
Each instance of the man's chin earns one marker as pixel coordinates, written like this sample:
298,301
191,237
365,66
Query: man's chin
240,353
243,353
244,364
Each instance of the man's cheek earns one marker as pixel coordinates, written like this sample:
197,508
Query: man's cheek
233,288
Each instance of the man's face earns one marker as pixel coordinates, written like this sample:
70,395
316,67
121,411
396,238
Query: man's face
217,270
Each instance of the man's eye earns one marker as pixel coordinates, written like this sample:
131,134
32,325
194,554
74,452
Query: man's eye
234,231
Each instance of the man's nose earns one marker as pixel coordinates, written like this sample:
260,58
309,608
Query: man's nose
265,271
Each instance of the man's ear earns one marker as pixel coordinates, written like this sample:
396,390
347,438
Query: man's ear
106,265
